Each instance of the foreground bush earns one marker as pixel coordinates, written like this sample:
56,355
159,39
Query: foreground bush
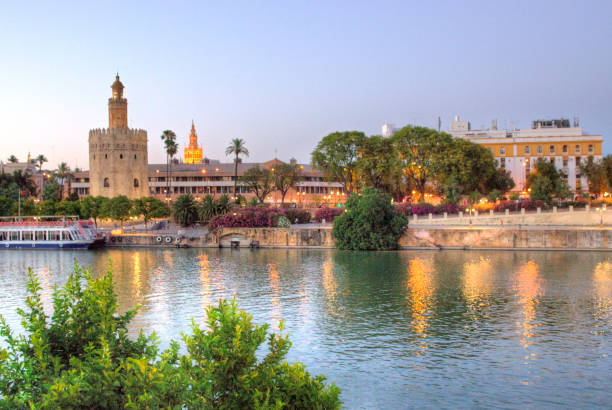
250,217
80,357
298,216
369,223
329,214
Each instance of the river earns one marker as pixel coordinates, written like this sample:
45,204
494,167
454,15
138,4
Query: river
391,329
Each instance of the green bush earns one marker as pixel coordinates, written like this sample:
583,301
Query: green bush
283,222
185,210
369,223
80,357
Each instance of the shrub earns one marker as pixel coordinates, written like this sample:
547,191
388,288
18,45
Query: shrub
300,216
423,208
81,357
369,223
484,207
404,208
250,217
329,214
448,208
283,222
513,206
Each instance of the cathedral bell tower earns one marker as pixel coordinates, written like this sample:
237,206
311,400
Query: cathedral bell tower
117,106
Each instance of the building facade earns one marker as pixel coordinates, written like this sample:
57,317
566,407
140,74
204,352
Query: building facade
518,150
118,157
193,152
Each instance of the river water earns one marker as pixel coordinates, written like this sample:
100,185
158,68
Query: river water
391,329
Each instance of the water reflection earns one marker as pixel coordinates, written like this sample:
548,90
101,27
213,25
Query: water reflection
602,281
421,288
477,282
205,280
529,290
275,305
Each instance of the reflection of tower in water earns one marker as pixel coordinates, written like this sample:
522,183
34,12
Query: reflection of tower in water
477,282
602,281
204,280
420,294
275,285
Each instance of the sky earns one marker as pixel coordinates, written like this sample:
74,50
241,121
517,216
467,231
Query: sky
282,75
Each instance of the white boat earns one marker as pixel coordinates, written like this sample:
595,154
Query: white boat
48,232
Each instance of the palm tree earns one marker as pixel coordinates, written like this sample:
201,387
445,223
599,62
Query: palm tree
237,148
169,139
64,173
13,159
40,160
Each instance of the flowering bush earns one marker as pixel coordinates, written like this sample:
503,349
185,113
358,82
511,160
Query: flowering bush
526,204
300,216
423,209
249,217
328,214
448,208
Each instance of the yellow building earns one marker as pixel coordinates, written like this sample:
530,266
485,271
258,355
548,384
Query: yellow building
193,152
553,140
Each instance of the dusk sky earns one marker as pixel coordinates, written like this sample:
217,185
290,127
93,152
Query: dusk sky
283,75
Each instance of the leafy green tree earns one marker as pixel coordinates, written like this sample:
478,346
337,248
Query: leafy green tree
81,357
546,182
148,208
369,223
237,148
92,207
7,206
501,181
378,165
597,175
285,177
185,210
117,208
46,208
260,181
422,152
40,160
336,155
541,188
13,159
494,195
67,207
451,190
169,139
65,174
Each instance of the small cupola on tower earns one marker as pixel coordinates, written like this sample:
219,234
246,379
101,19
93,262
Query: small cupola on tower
117,106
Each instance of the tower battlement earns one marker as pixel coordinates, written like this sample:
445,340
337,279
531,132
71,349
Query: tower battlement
128,133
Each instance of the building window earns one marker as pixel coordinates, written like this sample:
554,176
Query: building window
539,149
577,148
577,161
565,163
491,150
134,156
552,149
565,149
502,162
527,150
106,183
105,156
502,151
590,149
120,156
136,184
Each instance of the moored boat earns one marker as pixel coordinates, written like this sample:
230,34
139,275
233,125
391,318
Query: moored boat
48,232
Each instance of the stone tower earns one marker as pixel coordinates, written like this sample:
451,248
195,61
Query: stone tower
193,152
118,159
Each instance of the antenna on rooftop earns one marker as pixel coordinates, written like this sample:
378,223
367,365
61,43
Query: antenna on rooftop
576,121
439,123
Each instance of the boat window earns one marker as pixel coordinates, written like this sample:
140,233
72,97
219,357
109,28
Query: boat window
14,236
40,235
26,235
3,236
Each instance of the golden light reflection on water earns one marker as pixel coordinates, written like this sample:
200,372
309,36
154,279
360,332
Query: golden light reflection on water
420,294
529,290
477,282
137,270
602,281
275,305
329,280
204,280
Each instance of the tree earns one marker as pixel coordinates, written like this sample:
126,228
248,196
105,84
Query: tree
80,357
501,181
169,139
23,180
369,223
117,208
422,153
7,206
260,181
64,174
237,148
451,190
336,155
285,177
92,207
46,208
546,182
67,207
597,175
40,160
13,159
185,210
149,207
378,165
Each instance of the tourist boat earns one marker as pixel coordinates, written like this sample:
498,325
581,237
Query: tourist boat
48,232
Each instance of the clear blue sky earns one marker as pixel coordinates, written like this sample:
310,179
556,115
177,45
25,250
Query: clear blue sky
282,75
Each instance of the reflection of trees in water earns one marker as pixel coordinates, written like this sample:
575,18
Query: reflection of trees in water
478,278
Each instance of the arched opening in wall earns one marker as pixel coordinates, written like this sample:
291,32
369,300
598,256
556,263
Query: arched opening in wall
134,156
105,156
136,183
120,156
106,183
94,156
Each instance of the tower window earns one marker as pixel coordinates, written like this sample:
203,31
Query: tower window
120,156
136,183
134,156
105,156
106,183
94,156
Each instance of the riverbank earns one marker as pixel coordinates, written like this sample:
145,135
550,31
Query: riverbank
515,237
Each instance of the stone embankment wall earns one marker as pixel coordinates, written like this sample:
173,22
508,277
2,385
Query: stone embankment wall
415,237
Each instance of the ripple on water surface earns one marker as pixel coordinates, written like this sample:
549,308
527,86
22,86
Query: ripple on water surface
392,329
